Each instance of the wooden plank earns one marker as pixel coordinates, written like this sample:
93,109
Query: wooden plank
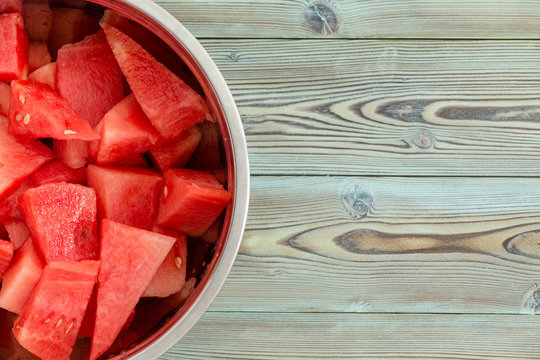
352,244
359,19
386,107
358,336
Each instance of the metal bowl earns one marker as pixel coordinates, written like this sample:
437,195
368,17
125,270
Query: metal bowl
180,41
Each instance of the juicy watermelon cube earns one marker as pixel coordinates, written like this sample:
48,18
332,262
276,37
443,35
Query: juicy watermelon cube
5,95
9,206
21,277
177,153
17,232
38,20
171,274
62,221
38,55
128,196
72,152
18,158
57,171
69,26
130,258
208,153
170,104
6,254
45,75
13,47
124,130
7,6
37,111
50,319
191,201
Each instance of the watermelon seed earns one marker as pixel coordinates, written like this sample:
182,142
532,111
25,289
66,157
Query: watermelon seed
58,324
21,98
178,262
26,119
69,132
69,327
47,321
18,117
165,191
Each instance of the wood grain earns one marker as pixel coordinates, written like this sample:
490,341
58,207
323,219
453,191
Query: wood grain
451,108
353,244
359,19
359,336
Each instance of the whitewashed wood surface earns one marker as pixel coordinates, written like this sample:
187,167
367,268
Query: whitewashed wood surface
395,154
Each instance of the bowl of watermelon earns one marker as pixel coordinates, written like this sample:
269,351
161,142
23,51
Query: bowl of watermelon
124,180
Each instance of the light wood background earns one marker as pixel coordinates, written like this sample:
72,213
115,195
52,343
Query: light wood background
395,155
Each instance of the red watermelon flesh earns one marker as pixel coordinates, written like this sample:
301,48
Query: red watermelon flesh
89,78
191,201
13,47
21,277
57,171
45,75
124,130
18,158
171,274
38,20
7,6
62,221
177,153
5,95
130,258
69,26
73,152
6,254
17,231
170,104
50,319
37,111
38,55
208,153
9,206
128,196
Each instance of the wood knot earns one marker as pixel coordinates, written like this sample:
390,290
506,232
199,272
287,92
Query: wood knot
322,18
424,140
531,300
234,57
525,244
356,201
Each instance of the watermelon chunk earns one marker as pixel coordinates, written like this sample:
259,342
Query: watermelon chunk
37,111
128,196
6,254
17,231
5,95
9,206
38,20
13,47
72,152
124,131
7,6
50,320
177,153
191,201
45,75
62,221
18,158
208,153
170,104
20,278
57,171
69,26
171,274
130,258
38,55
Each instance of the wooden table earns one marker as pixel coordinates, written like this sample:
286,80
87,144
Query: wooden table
395,156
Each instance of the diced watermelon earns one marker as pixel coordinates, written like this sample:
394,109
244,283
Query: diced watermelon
20,278
88,321
57,171
212,234
72,152
62,221
170,104
50,320
13,47
9,206
38,20
7,6
128,196
208,153
18,232
38,55
6,254
220,174
124,130
177,153
171,274
37,111
5,95
191,201
45,75
18,158
130,258
69,26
